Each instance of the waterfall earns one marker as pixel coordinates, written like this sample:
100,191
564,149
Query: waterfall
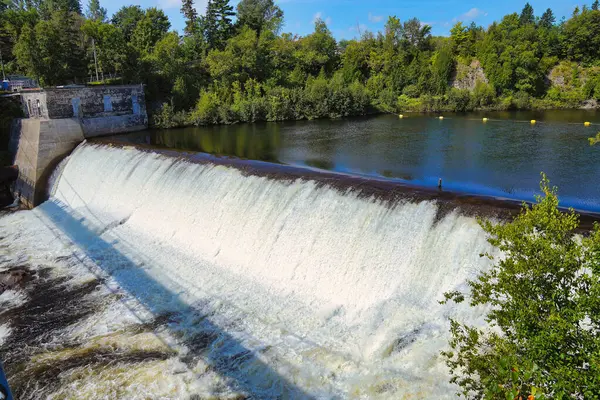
338,294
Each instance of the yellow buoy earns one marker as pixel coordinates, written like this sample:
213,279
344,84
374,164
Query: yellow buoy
441,117
485,120
533,121
400,116
586,124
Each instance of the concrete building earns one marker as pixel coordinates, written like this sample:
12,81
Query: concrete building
57,120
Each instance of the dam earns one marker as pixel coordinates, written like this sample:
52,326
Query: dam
162,273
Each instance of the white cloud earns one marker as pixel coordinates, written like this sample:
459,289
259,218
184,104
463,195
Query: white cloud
375,18
319,15
471,15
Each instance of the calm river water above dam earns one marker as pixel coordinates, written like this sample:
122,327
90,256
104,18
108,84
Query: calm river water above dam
502,157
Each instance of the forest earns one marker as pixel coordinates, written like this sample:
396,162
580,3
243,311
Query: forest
236,64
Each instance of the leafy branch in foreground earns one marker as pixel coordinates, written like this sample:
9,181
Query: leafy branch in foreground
543,339
594,140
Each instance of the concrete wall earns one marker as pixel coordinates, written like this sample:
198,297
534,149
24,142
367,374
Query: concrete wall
38,146
85,102
57,120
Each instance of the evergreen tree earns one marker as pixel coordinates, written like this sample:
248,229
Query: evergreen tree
547,19
95,12
217,23
191,16
595,5
527,16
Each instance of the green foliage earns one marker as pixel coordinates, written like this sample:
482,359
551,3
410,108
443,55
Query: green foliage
543,299
527,16
127,18
442,69
191,17
149,30
459,99
217,24
95,11
166,117
259,15
580,36
51,49
403,67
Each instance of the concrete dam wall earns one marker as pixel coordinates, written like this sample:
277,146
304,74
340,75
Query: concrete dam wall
57,120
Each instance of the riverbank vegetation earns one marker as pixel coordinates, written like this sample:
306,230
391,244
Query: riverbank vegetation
544,303
233,65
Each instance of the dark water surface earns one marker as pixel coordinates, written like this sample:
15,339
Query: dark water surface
502,157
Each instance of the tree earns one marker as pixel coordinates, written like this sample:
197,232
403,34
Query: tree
127,18
595,5
460,37
149,30
217,23
259,15
191,17
417,34
110,45
547,19
544,303
96,12
51,50
581,39
527,16
318,51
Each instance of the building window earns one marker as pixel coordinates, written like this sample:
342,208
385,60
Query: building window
39,108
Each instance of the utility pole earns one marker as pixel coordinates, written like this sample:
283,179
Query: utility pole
95,60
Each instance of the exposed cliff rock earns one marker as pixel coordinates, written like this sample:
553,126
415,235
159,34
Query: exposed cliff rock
466,76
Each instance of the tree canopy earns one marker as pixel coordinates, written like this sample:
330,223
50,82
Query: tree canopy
516,62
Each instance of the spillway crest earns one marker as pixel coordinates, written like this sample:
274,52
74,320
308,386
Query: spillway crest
265,287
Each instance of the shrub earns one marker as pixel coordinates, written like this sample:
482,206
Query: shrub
411,91
542,297
459,99
484,95
166,117
521,101
207,110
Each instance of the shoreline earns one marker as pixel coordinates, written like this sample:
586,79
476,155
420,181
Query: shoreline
184,115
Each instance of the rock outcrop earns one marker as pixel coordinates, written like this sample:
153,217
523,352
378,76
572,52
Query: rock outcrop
466,76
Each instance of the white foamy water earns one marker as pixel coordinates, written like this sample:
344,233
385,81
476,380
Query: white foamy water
295,289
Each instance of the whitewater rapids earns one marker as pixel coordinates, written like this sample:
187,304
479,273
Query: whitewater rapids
246,286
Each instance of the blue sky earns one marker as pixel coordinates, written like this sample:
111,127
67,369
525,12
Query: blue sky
346,17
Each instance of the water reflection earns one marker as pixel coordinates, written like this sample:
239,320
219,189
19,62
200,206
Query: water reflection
251,141
502,157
